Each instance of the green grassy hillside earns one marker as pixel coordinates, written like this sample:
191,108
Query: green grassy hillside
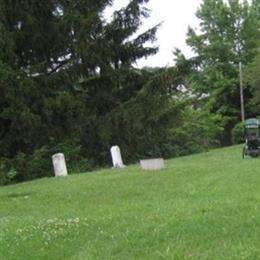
205,206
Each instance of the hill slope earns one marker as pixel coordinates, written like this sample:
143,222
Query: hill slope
205,206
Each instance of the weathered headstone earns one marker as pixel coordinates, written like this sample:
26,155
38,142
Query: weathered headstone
59,165
116,157
152,164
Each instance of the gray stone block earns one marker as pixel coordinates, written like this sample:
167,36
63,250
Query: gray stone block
152,164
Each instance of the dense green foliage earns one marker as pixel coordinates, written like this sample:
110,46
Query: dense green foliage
68,84
238,133
63,69
253,77
200,207
228,34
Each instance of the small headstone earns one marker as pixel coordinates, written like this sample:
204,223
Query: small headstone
116,157
59,165
152,164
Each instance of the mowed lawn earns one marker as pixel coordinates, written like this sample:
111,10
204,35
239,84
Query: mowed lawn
205,206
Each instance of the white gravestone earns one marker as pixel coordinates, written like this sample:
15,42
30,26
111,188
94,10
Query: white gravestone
116,157
152,164
59,165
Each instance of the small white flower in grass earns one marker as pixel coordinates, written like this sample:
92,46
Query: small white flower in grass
19,230
49,221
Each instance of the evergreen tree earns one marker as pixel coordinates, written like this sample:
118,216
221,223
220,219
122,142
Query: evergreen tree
65,72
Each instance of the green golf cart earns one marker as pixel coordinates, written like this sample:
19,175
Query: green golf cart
252,138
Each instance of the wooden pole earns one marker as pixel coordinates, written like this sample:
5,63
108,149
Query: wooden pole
241,93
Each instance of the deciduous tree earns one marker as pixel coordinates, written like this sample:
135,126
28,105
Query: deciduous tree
228,34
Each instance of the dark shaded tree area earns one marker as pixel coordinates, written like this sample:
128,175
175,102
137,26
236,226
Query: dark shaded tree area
67,84
253,78
63,68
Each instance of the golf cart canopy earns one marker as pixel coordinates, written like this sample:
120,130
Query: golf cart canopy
252,123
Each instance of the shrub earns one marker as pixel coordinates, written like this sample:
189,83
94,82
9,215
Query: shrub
39,164
238,135
197,132
6,172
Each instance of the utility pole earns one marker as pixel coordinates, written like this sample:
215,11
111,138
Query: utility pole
241,93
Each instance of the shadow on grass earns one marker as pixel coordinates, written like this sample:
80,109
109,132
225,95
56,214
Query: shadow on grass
16,195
